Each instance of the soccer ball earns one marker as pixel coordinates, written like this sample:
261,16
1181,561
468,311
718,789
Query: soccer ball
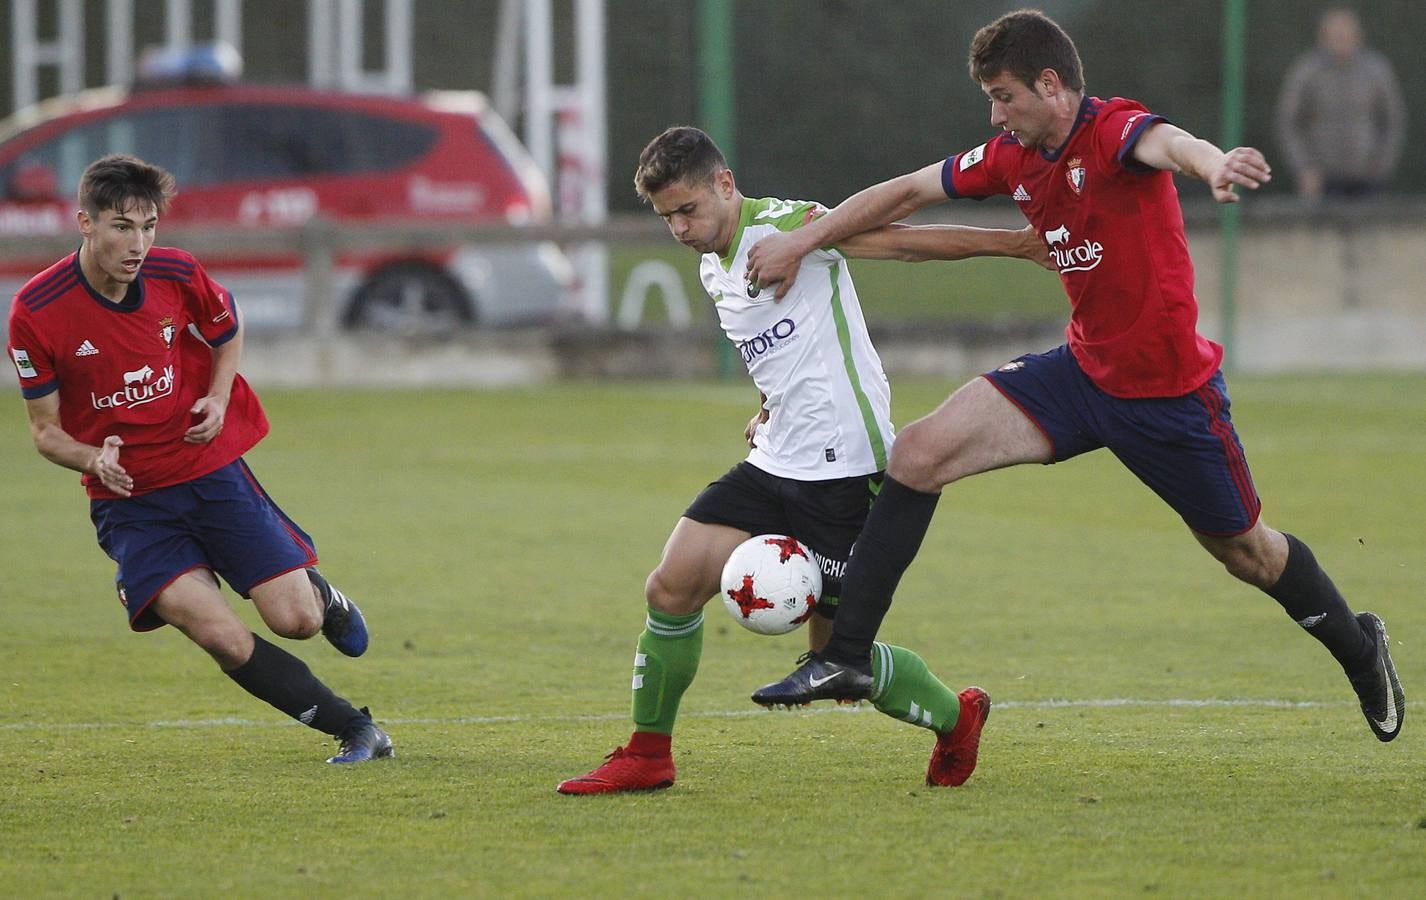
771,584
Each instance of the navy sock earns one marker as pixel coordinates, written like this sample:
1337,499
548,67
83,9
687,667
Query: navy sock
1313,601
889,541
278,678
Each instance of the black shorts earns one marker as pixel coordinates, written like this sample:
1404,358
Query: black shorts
827,515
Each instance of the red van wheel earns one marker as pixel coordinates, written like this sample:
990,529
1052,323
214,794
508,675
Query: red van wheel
410,298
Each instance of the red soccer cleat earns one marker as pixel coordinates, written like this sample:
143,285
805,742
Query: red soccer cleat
953,757
626,770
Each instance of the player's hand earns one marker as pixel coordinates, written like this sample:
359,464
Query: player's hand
1241,166
751,431
106,467
211,410
773,262
1035,248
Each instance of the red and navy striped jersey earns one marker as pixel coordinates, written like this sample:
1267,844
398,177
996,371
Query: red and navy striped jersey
134,368
1115,230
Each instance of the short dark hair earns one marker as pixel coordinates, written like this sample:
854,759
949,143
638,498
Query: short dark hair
1025,43
120,182
680,153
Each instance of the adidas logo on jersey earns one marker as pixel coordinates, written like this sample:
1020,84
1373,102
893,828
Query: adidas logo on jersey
1021,195
86,349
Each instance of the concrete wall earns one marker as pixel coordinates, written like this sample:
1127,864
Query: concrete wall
1322,293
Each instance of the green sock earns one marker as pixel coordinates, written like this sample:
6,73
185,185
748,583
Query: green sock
664,666
903,688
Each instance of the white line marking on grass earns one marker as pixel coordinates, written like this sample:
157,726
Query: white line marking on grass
1109,702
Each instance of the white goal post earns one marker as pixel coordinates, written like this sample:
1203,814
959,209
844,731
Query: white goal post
564,126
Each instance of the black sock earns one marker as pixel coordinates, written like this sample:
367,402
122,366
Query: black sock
888,542
1309,596
273,675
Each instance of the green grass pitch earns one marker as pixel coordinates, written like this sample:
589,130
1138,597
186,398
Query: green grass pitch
1159,729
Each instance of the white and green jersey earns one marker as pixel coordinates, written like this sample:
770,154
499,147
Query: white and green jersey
828,401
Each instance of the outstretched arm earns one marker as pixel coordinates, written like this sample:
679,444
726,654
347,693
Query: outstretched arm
56,445
776,258
1165,146
918,243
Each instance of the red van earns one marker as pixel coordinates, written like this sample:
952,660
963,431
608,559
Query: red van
265,156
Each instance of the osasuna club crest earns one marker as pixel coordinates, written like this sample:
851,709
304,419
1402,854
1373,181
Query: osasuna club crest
1075,174
166,330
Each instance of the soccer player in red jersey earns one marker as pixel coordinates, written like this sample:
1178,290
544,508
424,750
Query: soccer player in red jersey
1094,178
127,356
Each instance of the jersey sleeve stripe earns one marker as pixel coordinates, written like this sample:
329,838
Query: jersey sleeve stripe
170,262
41,295
223,338
1125,155
948,181
172,274
172,259
167,276
36,391
44,285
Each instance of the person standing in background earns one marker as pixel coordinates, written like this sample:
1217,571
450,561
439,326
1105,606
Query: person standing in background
1340,117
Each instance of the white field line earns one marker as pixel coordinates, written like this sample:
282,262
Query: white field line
1112,702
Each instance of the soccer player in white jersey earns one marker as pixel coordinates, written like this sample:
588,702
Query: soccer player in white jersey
819,444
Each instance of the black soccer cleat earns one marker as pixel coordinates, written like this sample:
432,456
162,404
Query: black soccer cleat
1379,689
816,678
343,625
363,740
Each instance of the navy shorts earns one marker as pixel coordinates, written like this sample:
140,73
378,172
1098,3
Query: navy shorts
1183,448
223,521
825,515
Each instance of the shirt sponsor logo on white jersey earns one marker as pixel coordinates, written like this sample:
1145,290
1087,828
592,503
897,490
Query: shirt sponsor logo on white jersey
140,387
1080,257
23,364
780,334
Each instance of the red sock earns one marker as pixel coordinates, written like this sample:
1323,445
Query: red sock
650,743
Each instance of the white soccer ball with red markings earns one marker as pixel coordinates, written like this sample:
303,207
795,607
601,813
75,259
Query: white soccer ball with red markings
771,584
